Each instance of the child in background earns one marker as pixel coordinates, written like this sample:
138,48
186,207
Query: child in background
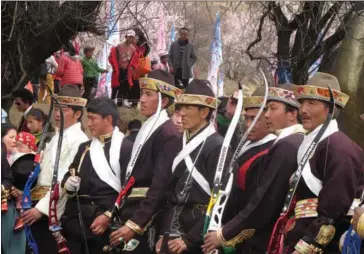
90,73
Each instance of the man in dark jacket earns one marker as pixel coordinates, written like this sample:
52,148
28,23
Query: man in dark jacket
181,58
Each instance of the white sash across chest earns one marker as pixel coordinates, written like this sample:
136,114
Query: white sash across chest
248,145
312,182
109,175
188,148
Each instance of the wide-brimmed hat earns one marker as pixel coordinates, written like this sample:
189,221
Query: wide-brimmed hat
317,88
21,168
160,80
70,95
284,93
198,92
255,100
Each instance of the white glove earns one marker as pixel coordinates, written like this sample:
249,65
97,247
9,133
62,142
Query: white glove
73,183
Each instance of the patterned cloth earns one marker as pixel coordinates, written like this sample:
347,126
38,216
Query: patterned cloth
27,139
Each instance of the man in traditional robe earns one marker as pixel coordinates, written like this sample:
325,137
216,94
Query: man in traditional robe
255,222
157,144
332,177
72,106
99,165
23,101
257,146
196,107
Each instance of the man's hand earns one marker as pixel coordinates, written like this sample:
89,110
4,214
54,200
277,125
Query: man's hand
158,245
177,246
100,224
171,70
73,183
31,216
15,192
357,213
125,232
211,242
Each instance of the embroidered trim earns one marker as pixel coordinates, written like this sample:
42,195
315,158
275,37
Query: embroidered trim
243,235
307,208
282,95
138,193
72,101
135,227
108,214
197,99
306,248
39,192
253,102
320,93
158,85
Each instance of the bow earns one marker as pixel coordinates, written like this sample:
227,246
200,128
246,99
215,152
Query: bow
223,195
276,240
26,198
54,224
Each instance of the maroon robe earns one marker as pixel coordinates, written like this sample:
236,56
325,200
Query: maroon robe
339,163
266,202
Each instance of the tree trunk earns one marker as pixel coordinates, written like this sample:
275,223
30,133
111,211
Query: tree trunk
349,69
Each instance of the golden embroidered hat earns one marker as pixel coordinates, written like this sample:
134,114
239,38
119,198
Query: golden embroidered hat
160,80
284,93
198,92
70,95
316,88
255,100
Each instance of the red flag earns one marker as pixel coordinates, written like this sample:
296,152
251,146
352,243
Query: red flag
29,86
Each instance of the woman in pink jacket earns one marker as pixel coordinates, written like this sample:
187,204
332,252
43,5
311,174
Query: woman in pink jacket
70,68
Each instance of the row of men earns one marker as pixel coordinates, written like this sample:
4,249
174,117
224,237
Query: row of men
330,181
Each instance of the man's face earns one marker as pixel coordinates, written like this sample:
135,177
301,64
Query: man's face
192,116
70,116
89,53
148,102
276,116
183,34
177,120
164,59
131,40
260,129
96,124
313,113
20,105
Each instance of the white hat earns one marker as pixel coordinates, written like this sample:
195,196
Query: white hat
130,33
163,53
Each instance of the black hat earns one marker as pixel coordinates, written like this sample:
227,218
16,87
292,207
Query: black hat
198,92
160,80
21,169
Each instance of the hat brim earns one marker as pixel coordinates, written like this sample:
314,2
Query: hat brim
158,85
197,99
253,102
71,101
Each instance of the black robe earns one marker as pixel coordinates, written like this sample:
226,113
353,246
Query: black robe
95,196
192,216
266,202
339,163
152,170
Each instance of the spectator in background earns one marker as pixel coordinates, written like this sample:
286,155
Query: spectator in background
51,66
163,65
119,59
90,73
76,46
181,58
154,64
70,68
8,137
23,100
133,129
35,123
57,79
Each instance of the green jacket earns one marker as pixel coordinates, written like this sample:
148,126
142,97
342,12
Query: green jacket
90,68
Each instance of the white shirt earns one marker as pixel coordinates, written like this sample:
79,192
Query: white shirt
51,64
27,111
73,136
